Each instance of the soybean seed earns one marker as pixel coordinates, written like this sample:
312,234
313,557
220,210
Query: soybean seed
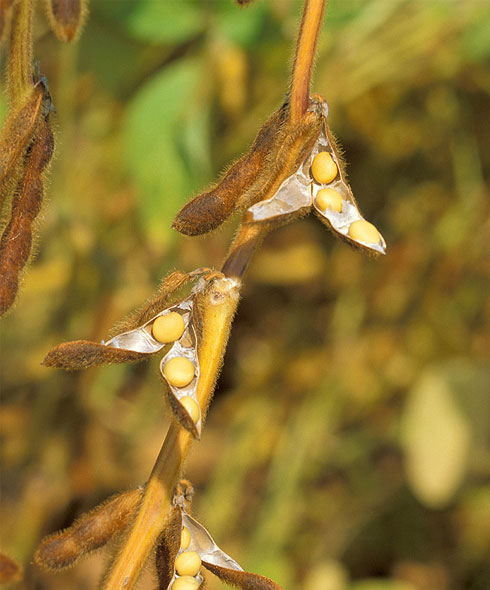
179,371
192,407
185,583
323,168
188,563
363,231
185,536
168,328
329,198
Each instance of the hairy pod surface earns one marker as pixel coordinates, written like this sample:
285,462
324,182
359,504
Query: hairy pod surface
15,244
10,571
209,209
90,532
66,18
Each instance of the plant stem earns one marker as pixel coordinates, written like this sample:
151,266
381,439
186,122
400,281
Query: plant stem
247,240
20,53
303,61
219,306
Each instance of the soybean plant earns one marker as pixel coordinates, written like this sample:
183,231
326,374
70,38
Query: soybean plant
292,168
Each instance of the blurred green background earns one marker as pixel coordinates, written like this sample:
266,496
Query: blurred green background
348,446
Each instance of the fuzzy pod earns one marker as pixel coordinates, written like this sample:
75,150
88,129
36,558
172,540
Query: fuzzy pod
15,243
167,548
17,132
89,532
67,18
210,209
82,354
10,571
296,143
241,579
5,17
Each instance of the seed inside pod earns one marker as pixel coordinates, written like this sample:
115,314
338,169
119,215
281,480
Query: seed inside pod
185,583
323,168
363,231
168,328
188,563
329,198
179,371
185,536
192,409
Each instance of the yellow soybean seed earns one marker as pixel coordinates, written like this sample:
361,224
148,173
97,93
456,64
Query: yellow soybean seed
363,231
188,563
323,168
179,371
192,409
185,536
329,198
168,328
185,583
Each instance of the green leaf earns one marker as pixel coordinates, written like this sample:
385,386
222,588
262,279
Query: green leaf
156,162
158,21
436,436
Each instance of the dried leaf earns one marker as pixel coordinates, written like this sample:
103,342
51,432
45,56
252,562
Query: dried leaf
82,354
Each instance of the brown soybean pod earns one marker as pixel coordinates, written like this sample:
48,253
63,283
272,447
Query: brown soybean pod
15,244
18,130
66,18
209,209
90,532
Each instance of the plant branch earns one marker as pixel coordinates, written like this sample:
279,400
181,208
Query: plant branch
303,61
20,53
218,307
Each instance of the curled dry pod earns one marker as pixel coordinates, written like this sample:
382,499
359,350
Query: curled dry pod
66,17
10,571
90,532
15,244
209,209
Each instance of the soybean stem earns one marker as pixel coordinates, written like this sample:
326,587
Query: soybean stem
303,61
219,305
20,53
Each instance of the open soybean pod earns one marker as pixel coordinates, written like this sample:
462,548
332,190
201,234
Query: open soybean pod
333,200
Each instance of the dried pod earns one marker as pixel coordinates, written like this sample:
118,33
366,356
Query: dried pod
208,210
67,17
198,547
241,579
17,132
82,354
10,571
5,16
319,181
90,532
15,244
168,548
